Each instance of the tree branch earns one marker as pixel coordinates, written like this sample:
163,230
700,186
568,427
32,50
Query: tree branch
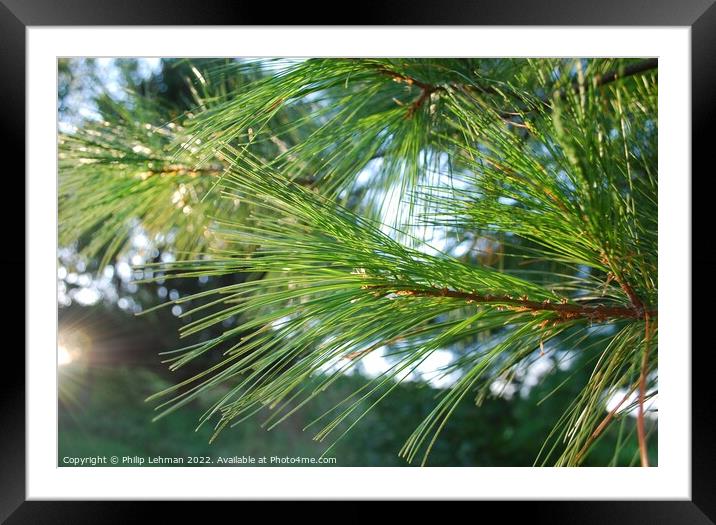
181,169
625,286
641,434
604,424
565,311
631,69
617,74
427,89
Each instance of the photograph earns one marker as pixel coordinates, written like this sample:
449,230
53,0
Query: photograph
417,254
358,262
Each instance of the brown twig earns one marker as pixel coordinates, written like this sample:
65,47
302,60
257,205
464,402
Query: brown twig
565,311
604,423
645,314
632,69
617,74
426,89
623,284
641,434
180,169
400,78
425,93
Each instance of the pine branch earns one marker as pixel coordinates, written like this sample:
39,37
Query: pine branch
564,310
567,183
627,71
426,89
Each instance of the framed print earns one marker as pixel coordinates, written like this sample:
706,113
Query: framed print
418,257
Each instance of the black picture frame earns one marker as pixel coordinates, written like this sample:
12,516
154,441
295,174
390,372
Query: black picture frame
700,15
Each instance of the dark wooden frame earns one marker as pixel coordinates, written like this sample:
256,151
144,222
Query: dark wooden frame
700,15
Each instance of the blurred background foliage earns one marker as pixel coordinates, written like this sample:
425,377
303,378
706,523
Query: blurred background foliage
110,358
103,411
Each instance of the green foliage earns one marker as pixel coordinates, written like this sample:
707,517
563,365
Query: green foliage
113,420
135,164
547,164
